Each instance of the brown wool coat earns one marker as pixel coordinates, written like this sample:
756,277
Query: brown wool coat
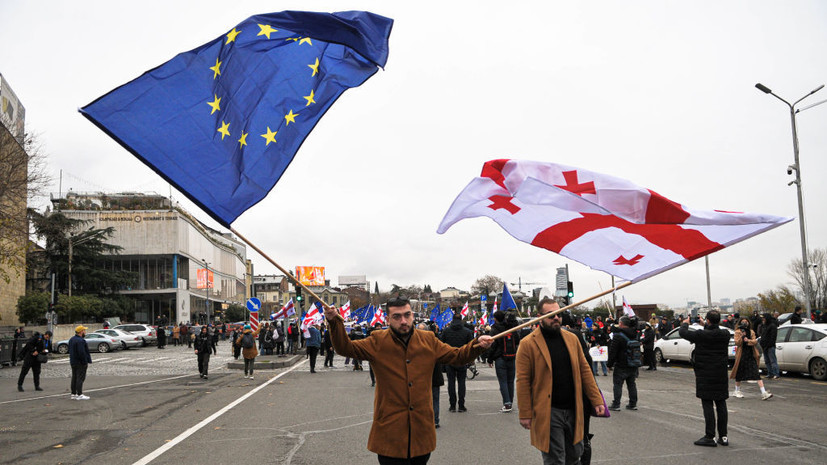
403,406
534,383
252,352
752,340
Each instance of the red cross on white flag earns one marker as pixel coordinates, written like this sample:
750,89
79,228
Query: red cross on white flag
604,222
627,309
464,311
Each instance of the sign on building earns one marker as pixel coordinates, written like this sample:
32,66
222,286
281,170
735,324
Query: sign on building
205,279
310,275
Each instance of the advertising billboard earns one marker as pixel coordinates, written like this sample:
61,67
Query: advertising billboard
205,279
310,275
12,113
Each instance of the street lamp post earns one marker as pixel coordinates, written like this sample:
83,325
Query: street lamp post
207,288
796,166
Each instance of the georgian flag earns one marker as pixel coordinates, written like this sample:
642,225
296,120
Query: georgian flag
464,311
604,222
345,310
286,311
495,306
484,318
312,317
627,309
378,317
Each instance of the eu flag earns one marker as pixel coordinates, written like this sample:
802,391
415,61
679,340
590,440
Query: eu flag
223,121
508,301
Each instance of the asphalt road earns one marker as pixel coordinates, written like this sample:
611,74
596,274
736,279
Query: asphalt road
290,416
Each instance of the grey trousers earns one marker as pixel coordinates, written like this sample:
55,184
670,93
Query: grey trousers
561,450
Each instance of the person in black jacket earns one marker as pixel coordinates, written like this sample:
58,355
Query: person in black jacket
502,354
203,348
622,372
769,335
35,346
711,381
795,318
327,344
456,335
648,344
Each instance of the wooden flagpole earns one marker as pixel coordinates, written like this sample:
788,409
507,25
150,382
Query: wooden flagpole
547,315
295,280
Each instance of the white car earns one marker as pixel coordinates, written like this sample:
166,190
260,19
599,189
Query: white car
802,349
674,347
126,338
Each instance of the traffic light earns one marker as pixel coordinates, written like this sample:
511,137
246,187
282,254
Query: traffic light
570,295
299,297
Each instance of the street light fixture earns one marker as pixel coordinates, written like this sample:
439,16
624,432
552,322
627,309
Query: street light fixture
796,166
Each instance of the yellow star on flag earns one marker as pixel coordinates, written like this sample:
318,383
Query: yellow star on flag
231,36
314,67
270,136
215,104
216,69
290,118
224,129
266,30
305,40
309,98
243,141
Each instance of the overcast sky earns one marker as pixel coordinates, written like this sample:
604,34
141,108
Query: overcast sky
658,92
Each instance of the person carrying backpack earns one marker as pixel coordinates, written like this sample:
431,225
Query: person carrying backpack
501,356
624,360
247,341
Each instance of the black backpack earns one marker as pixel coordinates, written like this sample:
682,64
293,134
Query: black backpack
632,351
510,342
247,341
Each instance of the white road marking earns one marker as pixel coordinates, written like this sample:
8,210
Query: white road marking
157,452
95,390
107,360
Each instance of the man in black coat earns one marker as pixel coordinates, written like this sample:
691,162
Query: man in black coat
648,344
203,348
796,319
619,363
35,346
456,335
711,380
769,334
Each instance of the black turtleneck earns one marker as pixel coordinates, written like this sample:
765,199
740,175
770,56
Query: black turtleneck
562,388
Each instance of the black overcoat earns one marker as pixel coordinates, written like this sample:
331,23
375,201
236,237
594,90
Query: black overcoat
711,345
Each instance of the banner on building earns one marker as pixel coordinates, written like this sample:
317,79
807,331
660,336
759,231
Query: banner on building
205,279
310,275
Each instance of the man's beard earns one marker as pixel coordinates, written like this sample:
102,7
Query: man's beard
401,335
552,329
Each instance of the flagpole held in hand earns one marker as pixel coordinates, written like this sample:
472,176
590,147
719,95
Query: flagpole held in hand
547,315
261,252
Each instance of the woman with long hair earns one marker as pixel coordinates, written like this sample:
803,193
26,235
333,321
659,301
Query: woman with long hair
746,359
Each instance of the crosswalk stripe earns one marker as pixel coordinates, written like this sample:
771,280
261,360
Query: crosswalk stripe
113,360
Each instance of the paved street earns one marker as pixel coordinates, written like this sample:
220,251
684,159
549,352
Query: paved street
149,405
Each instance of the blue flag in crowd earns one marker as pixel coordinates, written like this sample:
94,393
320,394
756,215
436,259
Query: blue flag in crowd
508,301
223,121
371,311
359,314
444,318
435,313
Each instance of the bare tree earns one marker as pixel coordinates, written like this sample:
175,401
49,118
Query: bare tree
486,285
818,277
781,300
22,178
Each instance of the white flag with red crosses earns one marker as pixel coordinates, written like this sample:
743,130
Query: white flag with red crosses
604,222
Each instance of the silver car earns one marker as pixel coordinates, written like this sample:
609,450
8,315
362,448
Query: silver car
674,347
95,342
126,338
802,349
145,332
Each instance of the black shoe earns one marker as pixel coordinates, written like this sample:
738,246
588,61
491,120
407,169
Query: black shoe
206,377
20,388
723,440
38,388
614,407
450,409
462,409
649,369
312,371
705,441
372,384
631,407
436,426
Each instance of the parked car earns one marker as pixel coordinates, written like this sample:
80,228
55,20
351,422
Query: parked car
126,338
802,349
96,342
674,347
147,333
784,319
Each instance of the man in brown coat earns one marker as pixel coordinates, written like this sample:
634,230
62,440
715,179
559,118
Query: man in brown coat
552,378
403,361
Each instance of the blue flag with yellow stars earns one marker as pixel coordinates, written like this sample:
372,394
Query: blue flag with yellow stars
223,121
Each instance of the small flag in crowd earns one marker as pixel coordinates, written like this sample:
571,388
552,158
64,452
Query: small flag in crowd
464,311
508,301
345,310
495,306
378,317
435,313
286,311
627,309
313,316
223,121
601,221
484,318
